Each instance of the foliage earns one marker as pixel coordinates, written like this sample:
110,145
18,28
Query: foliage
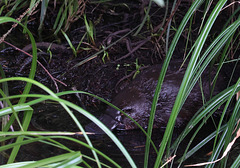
69,12
200,58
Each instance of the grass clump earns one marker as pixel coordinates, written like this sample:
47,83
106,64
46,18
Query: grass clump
201,55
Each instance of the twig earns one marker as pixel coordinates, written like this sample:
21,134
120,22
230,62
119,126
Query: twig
155,30
18,19
169,19
53,79
134,49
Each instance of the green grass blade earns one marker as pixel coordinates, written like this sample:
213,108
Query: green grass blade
236,162
73,159
31,76
65,104
195,5
43,12
186,80
69,43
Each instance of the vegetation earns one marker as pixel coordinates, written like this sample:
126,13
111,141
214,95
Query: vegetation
201,54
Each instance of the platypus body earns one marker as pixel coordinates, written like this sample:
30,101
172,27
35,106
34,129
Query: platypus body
136,100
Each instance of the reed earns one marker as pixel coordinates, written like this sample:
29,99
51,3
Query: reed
201,56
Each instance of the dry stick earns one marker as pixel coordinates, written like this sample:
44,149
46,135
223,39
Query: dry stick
169,19
53,79
135,49
18,19
237,95
155,30
2,39
168,160
127,41
230,4
109,38
15,24
223,155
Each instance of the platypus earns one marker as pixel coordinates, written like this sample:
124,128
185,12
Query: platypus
136,100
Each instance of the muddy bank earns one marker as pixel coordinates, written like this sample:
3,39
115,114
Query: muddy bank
107,75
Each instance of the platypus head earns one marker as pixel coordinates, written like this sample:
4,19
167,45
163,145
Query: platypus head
111,119
115,120
135,100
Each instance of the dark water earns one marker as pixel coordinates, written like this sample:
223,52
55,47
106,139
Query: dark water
55,119
133,141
